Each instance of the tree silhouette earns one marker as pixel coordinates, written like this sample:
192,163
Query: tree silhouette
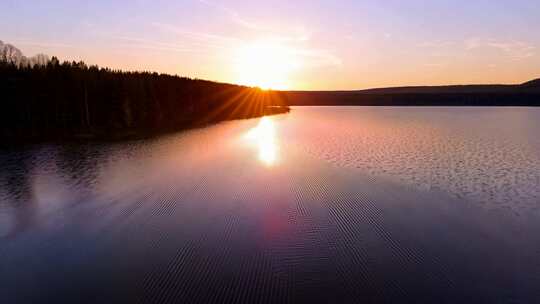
69,99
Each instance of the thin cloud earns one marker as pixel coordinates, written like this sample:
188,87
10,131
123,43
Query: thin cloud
436,65
155,45
186,46
299,33
437,44
232,14
208,39
44,44
319,58
192,46
310,57
516,50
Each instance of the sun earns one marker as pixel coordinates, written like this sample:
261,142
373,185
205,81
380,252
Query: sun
266,64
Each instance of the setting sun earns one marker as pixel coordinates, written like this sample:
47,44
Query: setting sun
265,64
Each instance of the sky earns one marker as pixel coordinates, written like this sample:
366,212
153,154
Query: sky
301,44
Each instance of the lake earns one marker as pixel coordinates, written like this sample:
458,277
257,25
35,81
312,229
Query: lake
324,204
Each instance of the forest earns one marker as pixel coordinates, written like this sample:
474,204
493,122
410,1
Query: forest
71,100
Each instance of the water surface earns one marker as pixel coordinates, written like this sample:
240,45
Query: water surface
321,205
485,155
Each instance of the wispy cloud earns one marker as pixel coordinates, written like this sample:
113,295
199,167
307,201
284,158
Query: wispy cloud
43,44
157,45
310,57
436,65
515,50
319,58
232,14
208,39
293,34
198,44
436,44
224,44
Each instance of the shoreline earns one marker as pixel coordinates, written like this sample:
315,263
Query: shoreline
106,136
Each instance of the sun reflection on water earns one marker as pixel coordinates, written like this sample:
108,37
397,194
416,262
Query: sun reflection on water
263,136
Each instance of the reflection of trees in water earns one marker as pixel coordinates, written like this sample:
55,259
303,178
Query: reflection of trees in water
16,195
78,165
28,172
75,165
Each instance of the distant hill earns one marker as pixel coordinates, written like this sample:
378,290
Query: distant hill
526,94
532,84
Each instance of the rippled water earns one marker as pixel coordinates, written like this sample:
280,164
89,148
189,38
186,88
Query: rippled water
486,155
319,205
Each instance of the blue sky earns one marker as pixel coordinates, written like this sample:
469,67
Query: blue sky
320,44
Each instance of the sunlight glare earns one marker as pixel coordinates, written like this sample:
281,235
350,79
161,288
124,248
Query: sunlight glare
265,64
264,137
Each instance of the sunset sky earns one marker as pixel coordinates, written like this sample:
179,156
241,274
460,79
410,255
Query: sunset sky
315,45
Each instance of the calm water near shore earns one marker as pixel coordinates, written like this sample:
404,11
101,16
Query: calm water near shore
324,204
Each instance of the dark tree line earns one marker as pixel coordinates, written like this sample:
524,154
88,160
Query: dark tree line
72,99
514,99
526,94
